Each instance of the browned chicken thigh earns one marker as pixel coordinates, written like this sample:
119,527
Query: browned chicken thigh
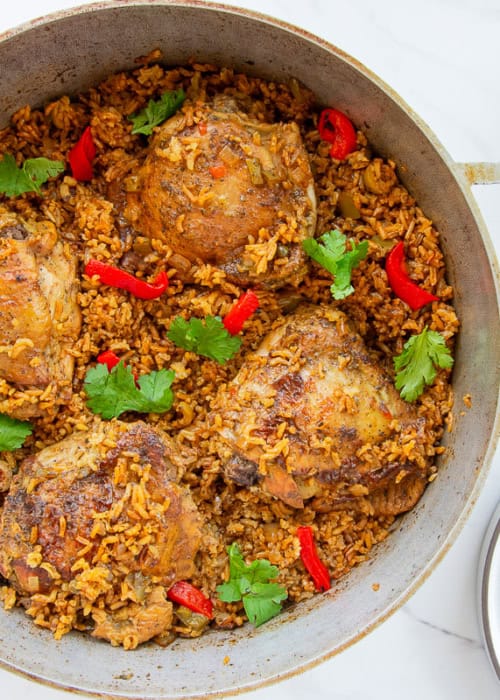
308,416
103,511
230,191
39,314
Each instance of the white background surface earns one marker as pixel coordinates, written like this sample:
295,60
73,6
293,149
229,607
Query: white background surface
443,57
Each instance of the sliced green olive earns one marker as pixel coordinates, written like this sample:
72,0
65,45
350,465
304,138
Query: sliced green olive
379,178
195,621
384,243
347,207
282,250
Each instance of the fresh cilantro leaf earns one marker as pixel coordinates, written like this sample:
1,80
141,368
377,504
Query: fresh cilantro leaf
13,432
157,111
229,592
207,337
259,571
326,253
156,390
237,566
111,393
34,172
263,602
416,365
332,254
342,286
250,584
40,169
13,180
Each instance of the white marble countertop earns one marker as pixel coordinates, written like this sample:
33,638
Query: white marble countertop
443,57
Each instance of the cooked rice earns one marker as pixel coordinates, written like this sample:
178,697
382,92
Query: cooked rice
136,330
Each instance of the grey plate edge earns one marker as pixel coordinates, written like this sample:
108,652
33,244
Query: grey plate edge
489,584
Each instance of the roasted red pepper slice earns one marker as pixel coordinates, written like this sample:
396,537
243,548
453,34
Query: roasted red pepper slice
108,358
401,284
241,311
191,597
309,555
336,128
81,156
114,277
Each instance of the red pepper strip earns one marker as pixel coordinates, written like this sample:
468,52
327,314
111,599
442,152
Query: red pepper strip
186,594
81,156
401,284
108,358
217,171
120,279
314,565
336,128
241,311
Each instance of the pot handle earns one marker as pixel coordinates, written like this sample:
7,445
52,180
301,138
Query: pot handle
480,173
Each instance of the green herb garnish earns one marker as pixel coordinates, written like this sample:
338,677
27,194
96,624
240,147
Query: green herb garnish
157,111
33,173
416,365
13,432
251,584
332,254
208,337
111,393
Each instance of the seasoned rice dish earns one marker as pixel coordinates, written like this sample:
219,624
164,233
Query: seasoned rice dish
225,356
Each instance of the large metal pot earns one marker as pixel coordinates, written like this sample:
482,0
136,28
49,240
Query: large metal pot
76,49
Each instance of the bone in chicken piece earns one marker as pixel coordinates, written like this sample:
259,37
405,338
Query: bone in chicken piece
230,191
102,511
306,415
39,315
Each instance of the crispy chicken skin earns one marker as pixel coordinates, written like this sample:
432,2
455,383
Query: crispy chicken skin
230,191
39,314
78,508
305,414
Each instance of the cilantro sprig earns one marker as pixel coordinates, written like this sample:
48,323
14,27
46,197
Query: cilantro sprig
112,392
13,432
28,178
251,584
332,254
157,111
208,337
416,365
